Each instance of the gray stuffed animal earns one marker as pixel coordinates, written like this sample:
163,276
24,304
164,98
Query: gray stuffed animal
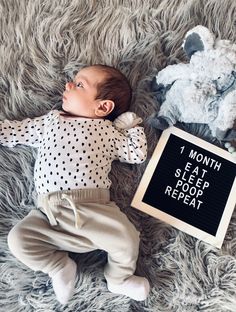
201,91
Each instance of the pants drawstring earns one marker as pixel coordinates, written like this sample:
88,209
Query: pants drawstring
75,210
49,202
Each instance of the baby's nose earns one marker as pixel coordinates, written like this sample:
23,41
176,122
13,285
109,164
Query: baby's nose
69,85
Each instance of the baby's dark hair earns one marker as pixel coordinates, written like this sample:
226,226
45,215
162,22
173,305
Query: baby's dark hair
114,87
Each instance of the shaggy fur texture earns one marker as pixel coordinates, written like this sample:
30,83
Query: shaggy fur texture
42,43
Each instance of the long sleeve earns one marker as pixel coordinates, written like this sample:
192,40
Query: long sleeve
27,132
131,145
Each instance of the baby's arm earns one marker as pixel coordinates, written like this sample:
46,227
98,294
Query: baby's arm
27,132
130,142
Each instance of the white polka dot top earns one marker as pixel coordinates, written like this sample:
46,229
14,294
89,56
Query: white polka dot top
74,152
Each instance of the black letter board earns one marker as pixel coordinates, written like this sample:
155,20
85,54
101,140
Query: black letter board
190,184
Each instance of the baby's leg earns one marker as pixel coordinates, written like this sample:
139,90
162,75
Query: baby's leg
118,236
35,243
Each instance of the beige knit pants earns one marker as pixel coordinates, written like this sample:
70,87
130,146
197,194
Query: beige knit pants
77,221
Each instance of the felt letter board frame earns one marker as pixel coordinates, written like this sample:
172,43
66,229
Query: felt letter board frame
189,184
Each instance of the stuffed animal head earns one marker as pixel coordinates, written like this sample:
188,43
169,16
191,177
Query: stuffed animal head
201,91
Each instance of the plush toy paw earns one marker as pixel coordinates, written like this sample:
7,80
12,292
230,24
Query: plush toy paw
159,90
161,122
231,149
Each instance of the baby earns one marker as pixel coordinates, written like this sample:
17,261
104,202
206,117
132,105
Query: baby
76,147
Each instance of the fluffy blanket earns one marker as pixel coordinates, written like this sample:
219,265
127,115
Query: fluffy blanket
42,43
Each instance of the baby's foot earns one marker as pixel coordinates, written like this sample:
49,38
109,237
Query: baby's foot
135,287
63,282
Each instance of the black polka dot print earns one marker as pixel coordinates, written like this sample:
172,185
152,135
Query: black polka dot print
74,152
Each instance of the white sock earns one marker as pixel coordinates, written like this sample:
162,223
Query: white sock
63,282
135,287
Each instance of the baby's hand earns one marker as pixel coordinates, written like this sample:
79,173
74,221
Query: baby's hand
127,121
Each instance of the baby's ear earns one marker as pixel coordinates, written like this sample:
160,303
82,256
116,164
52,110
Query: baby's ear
104,108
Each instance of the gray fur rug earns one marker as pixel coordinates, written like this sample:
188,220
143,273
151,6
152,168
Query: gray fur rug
42,43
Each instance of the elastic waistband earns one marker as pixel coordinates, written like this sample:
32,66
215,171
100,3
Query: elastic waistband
79,195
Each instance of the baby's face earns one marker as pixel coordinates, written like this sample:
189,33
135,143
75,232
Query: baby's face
79,97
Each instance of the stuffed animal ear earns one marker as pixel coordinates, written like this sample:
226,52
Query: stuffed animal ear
198,38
